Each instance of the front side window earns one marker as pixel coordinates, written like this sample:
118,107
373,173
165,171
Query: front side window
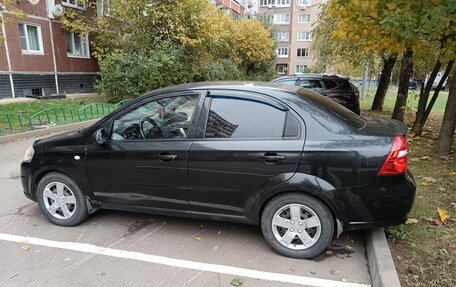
30,36
74,3
244,118
167,118
77,45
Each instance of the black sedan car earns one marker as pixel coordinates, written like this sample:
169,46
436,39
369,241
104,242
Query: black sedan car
283,157
337,88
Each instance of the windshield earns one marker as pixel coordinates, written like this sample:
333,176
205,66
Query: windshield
332,107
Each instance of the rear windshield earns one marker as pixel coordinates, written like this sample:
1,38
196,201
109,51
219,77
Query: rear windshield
332,107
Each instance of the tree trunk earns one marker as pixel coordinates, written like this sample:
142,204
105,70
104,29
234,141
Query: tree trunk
402,93
445,140
437,90
423,99
385,78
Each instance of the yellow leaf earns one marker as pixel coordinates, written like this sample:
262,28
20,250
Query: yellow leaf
198,238
26,247
391,6
411,221
452,173
443,214
425,183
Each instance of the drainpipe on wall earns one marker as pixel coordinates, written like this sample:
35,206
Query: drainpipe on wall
8,60
49,6
290,37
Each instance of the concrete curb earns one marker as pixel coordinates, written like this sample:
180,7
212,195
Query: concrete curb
45,132
382,269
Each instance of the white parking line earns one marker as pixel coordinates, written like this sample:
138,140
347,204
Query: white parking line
187,264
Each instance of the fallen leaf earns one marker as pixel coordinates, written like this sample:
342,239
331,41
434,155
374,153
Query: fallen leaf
329,252
415,159
198,238
236,282
348,247
26,247
292,270
452,173
425,183
425,157
442,189
334,272
411,221
202,225
344,280
219,232
443,214
429,179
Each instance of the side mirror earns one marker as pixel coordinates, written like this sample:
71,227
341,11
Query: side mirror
100,137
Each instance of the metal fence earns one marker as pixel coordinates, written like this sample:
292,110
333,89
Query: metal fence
13,123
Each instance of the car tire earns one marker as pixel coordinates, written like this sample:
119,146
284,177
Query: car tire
61,200
284,229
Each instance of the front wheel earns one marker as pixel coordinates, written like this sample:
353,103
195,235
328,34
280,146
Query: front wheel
61,200
297,225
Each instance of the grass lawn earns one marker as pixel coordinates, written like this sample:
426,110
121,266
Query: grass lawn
412,101
425,249
33,107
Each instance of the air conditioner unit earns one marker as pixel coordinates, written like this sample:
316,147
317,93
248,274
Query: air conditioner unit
302,7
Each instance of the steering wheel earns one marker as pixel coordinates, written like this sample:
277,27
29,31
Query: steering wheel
155,130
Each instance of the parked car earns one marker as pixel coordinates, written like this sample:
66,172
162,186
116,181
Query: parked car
286,158
337,88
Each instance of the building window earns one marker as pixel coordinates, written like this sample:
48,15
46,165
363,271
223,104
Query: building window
282,18
267,18
304,18
77,45
282,36
282,69
305,2
283,3
301,69
282,52
303,52
30,36
304,36
102,8
74,3
266,2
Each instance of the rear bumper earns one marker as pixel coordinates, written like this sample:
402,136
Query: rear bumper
386,202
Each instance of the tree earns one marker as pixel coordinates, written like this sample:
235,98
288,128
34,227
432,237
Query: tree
446,134
388,64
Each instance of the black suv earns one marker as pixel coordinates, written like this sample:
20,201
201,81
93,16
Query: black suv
337,88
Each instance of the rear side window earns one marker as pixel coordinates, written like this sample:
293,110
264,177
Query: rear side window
332,107
244,118
310,84
290,82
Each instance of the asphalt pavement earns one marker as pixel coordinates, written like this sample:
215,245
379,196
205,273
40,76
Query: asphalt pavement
130,249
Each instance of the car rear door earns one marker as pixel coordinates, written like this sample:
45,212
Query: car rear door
148,168
245,144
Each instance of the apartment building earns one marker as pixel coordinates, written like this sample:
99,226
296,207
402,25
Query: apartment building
38,57
236,8
293,21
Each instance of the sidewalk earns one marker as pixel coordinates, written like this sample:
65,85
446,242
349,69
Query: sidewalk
5,101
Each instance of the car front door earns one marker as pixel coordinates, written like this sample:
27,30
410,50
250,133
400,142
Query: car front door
144,161
245,144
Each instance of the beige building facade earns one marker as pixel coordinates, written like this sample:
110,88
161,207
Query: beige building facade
293,21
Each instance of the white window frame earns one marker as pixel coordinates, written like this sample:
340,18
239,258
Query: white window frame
304,39
40,39
298,69
282,52
282,71
278,17
279,37
282,3
306,53
75,6
73,46
266,3
305,3
304,18
103,8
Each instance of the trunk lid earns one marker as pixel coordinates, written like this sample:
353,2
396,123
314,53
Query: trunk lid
379,127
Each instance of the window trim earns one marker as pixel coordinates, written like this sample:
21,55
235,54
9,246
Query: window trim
302,22
193,124
308,53
282,56
40,39
278,39
74,6
281,23
73,43
304,40
304,65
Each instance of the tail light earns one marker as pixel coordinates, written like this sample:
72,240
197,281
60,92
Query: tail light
396,161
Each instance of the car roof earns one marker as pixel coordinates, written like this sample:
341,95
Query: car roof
313,76
265,87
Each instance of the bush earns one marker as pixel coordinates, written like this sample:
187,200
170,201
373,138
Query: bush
225,70
130,75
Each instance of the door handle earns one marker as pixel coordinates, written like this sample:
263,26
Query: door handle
166,156
272,157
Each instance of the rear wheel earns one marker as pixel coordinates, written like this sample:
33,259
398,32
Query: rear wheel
61,200
297,225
